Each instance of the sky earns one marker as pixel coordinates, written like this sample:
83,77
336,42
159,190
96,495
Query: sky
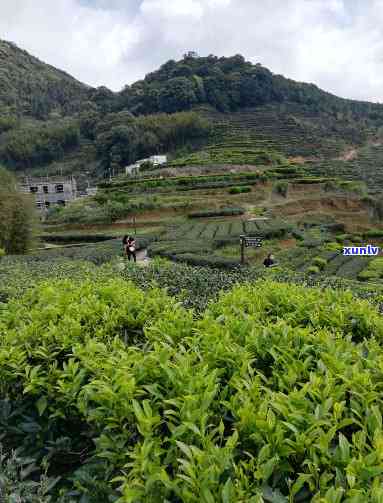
336,44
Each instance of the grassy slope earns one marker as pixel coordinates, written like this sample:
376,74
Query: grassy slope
25,81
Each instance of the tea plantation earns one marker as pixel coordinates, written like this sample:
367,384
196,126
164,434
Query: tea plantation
367,167
111,393
288,130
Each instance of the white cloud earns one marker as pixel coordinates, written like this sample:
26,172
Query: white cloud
337,44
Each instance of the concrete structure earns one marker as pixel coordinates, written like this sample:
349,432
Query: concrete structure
50,191
156,160
91,191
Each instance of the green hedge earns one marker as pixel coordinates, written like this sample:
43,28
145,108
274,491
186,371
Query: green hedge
206,260
221,212
240,190
374,233
75,238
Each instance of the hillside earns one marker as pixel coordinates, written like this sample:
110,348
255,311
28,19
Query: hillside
231,84
32,88
218,111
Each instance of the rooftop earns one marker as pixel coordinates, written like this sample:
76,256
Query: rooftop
29,180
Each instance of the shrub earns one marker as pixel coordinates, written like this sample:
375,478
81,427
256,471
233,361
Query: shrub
319,262
75,238
374,270
125,392
374,233
207,260
18,217
313,269
298,234
333,246
334,227
240,190
15,482
277,230
281,188
343,238
221,212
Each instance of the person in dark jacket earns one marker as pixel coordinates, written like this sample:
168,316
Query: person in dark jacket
269,261
131,248
124,245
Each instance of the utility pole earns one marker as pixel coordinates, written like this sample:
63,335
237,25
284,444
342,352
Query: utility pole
242,241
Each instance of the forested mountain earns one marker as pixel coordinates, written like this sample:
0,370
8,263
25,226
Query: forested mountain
229,84
50,121
31,88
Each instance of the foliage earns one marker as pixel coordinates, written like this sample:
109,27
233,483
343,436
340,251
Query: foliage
16,484
17,216
243,111
240,190
374,233
30,87
374,270
219,212
231,83
228,153
366,168
265,396
75,238
319,262
122,139
281,188
37,144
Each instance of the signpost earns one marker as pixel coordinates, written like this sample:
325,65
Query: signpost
249,241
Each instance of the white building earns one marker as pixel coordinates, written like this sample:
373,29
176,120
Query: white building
156,160
50,191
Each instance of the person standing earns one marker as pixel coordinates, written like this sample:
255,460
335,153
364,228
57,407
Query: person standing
125,245
131,248
269,261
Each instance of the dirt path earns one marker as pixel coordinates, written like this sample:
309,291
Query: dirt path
142,256
349,155
142,259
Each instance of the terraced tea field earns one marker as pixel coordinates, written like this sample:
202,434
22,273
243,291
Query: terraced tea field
206,230
288,132
366,167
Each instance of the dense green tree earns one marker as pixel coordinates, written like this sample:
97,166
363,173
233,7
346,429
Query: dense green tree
34,145
177,94
122,139
17,216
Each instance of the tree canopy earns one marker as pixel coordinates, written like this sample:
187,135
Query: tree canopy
17,216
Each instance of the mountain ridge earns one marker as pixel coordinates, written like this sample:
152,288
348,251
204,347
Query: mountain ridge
31,87
47,116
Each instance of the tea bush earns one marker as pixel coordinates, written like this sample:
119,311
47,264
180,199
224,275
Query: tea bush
281,188
240,190
16,484
374,233
220,212
320,263
273,395
374,270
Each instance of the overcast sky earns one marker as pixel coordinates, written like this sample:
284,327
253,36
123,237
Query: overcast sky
337,44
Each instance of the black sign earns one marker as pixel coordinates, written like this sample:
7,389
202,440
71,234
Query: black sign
255,241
